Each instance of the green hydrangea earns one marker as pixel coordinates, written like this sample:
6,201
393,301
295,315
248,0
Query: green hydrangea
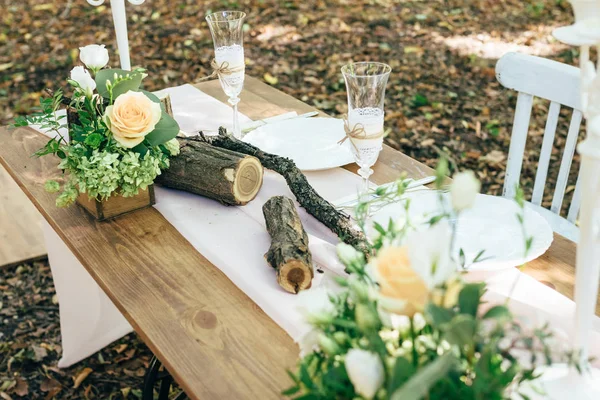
103,173
51,186
172,146
137,172
68,196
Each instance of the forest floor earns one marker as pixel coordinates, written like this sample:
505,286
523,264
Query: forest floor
442,97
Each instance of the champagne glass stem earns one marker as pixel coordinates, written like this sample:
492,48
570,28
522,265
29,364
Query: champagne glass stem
237,131
365,172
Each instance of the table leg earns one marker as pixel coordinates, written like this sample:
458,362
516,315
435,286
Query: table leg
155,377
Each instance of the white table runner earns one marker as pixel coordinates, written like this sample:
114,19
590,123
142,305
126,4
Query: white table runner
234,239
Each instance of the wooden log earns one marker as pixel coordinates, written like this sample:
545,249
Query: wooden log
306,195
289,253
220,174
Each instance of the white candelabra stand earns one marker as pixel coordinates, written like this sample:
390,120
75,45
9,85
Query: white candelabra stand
120,21
561,382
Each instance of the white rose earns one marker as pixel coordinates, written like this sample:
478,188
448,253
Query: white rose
464,190
94,56
365,371
84,79
315,306
348,254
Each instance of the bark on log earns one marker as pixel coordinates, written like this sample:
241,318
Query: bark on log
289,253
220,174
308,198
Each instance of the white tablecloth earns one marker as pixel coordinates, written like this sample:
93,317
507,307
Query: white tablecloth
89,321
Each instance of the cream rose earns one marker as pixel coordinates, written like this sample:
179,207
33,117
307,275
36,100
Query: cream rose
402,290
132,117
408,276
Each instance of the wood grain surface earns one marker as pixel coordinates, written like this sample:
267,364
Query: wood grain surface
214,340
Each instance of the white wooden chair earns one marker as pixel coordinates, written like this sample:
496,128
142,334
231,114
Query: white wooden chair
560,83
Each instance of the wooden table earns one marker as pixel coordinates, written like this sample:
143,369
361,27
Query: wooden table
212,338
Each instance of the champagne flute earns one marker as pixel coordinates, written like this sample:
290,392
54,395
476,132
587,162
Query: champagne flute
365,85
226,28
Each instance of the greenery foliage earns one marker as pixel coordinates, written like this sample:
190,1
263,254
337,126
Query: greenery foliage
456,347
96,163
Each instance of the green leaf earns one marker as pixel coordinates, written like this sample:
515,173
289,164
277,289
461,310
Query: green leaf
150,95
403,370
419,101
469,298
497,312
420,383
132,81
291,391
305,377
166,129
293,377
438,315
141,148
461,330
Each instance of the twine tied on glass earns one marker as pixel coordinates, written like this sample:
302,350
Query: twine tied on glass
357,131
222,70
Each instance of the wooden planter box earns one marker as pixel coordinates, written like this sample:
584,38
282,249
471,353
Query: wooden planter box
116,205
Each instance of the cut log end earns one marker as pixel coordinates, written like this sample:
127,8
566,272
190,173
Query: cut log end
294,276
248,179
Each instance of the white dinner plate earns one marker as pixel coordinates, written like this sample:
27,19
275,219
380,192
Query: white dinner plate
312,143
490,225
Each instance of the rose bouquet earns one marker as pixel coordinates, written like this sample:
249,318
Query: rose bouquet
404,325
120,136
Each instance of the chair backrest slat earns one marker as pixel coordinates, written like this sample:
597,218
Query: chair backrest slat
559,83
545,153
541,78
517,143
575,202
565,164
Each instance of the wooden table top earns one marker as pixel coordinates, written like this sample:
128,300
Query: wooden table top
212,338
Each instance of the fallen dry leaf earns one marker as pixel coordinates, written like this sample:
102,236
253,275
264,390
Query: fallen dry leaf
270,79
84,373
22,388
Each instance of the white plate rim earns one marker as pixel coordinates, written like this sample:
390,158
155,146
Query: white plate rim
278,124
544,237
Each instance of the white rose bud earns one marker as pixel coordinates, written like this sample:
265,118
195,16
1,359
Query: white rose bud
94,56
464,190
309,342
348,254
328,345
84,79
365,371
315,306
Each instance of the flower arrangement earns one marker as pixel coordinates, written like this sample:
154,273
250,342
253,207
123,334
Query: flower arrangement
120,136
404,325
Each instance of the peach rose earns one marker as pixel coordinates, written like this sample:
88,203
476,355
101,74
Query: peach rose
402,290
132,116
